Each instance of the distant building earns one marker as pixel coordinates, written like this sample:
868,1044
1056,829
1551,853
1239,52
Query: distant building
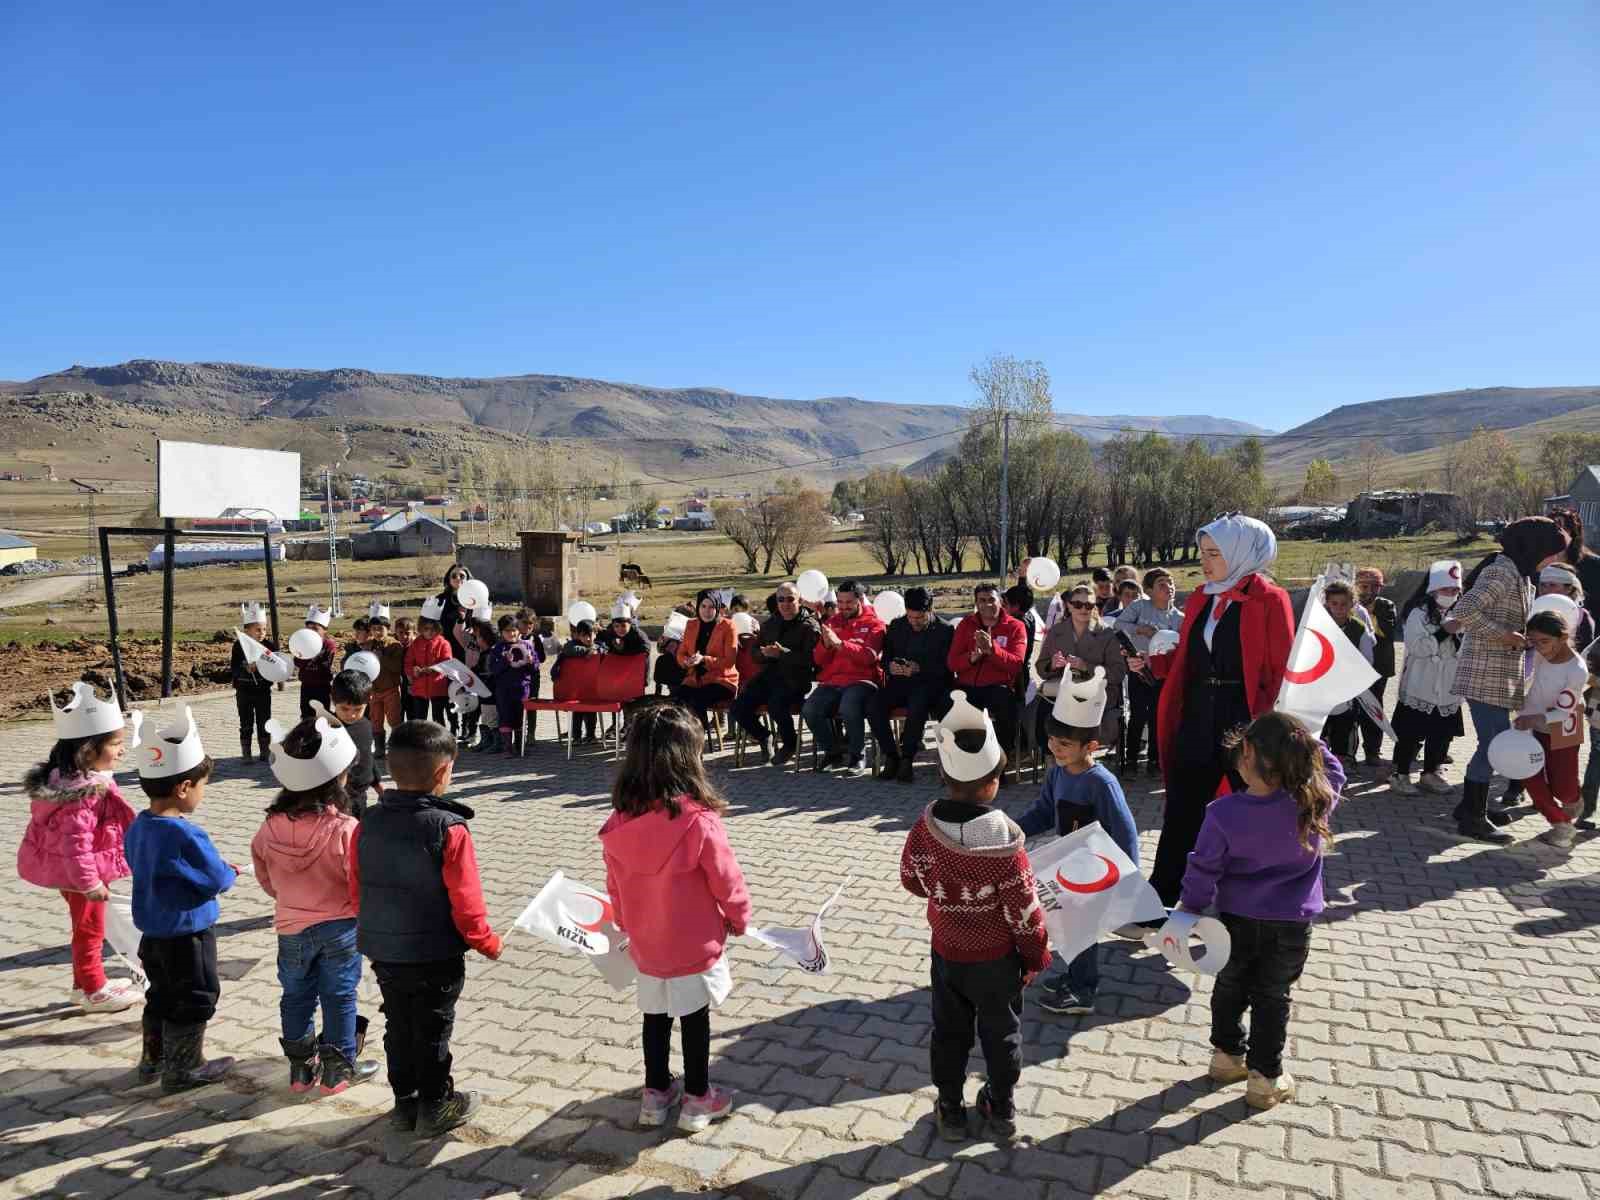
695,520
1402,511
14,549
404,535
1583,495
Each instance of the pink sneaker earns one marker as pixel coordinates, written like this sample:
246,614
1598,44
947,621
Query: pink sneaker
116,996
656,1104
699,1111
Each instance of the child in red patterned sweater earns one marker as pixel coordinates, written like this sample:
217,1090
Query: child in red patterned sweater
989,941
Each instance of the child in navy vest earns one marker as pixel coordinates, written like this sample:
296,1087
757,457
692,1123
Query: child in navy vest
414,875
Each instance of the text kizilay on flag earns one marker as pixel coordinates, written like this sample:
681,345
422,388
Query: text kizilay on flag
1087,886
579,919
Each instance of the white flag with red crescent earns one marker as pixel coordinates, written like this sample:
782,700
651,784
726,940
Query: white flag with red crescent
1087,886
578,918
1324,669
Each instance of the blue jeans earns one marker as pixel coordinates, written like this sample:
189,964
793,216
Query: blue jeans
320,963
851,705
1488,720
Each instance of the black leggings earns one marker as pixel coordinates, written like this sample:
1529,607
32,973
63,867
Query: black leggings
696,1051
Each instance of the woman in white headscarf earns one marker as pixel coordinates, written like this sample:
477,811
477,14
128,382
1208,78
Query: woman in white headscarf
1227,670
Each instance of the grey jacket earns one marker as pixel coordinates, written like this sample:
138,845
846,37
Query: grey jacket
1145,612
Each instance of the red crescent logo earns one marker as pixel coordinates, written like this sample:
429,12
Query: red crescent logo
1566,700
1108,880
156,755
604,917
1455,571
1169,942
1323,665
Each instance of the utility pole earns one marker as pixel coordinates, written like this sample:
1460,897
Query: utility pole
1005,491
334,604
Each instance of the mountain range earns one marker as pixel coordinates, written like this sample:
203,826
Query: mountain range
360,419
669,432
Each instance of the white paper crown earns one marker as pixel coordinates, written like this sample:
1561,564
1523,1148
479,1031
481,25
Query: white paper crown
378,610
334,756
252,612
432,608
85,715
745,624
1081,705
169,751
631,599
318,616
959,764
621,611
1446,573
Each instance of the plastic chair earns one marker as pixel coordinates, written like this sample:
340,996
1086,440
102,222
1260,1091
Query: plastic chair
600,683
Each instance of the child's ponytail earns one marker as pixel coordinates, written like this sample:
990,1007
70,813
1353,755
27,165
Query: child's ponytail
1290,755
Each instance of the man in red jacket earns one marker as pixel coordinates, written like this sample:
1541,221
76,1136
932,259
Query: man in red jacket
848,675
988,651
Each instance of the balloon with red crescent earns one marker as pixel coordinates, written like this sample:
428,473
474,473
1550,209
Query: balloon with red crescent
1323,665
1108,880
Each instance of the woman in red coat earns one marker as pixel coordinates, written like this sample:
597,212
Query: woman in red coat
1227,670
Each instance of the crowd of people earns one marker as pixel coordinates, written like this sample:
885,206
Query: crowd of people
385,869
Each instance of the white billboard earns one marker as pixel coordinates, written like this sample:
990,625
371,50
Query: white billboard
196,480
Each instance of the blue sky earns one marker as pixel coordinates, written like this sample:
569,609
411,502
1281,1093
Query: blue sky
1255,210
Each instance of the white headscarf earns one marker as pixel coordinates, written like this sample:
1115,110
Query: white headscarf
1247,545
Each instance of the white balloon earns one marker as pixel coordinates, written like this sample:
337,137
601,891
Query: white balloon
812,586
677,625
1164,641
364,661
581,610
744,624
462,700
1516,754
1043,574
305,643
274,668
1563,606
472,593
889,606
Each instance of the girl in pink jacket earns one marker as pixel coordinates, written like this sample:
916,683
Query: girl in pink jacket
73,843
677,892
302,860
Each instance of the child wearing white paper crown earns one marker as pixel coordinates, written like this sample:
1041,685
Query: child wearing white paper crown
73,844
1258,859
302,860
1077,792
1428,716
316,670
177,876
252,692
677,891
1553,712
989,940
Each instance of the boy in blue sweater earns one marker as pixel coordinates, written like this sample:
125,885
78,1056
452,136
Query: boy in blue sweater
1076,792
177,875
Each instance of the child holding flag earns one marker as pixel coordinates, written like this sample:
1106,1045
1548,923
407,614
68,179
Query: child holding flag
1259,861
967,858
677,889
1078,791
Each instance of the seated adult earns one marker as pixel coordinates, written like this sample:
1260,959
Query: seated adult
985,656
916,652
1080,644
785,645
848,674
709,656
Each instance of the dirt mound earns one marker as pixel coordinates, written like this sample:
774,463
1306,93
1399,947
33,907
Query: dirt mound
26,671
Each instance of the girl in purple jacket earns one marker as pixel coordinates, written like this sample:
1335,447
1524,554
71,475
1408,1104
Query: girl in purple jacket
73,843
1258,859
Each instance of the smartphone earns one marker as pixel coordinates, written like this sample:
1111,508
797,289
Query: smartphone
1127,645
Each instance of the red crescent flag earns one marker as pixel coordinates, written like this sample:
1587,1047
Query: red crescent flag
1324,669
1087,886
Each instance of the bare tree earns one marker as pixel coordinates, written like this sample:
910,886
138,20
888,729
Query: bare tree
887,537
1006,384
737,525
1370,461
805,525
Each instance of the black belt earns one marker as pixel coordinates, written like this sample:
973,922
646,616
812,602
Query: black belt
1213,681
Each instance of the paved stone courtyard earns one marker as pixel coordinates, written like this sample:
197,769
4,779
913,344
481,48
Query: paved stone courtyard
1443,1036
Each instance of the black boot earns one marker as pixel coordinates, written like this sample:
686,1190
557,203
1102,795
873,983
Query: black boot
338,1072
185,1065
244,746
1591,793
888,765
1472,819
302,1056
455,1109
150,1056
380,743
403,1116
1501,815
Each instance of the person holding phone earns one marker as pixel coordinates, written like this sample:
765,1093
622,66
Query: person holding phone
1080,644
